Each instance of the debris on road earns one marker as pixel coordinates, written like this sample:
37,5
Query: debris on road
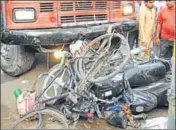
25,81
140,116
97,81
156,123
25,101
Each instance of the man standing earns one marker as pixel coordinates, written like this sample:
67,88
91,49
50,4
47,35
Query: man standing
147,17
158,5
166,30
133,36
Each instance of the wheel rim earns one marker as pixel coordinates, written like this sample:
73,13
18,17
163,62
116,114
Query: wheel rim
47,111
103,78
7,53
56,88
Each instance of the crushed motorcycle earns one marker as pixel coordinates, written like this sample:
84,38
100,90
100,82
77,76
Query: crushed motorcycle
97,80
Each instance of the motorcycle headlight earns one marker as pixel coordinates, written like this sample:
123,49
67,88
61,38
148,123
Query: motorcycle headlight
128,9
24,15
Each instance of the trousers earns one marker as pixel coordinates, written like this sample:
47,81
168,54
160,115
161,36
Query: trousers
166,48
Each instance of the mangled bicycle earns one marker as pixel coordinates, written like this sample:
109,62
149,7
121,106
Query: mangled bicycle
83,85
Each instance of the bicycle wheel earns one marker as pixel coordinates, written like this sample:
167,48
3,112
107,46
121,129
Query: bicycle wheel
62,122
57,79
109,65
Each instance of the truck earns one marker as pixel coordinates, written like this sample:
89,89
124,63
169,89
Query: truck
29,27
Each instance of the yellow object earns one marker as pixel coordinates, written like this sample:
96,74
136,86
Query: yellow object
58,54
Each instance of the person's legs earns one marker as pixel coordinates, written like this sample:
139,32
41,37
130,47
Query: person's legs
155,50
170,52
166,49
137,36
148,52
141,44
133,36
149,46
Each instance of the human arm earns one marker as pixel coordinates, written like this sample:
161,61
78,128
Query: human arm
158,34
159,26
154,24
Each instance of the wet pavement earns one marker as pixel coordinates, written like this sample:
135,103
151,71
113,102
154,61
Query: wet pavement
24,82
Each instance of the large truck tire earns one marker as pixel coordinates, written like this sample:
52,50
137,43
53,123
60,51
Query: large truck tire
15,59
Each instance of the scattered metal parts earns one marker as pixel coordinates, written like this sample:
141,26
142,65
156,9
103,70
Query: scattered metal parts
97,109
140,116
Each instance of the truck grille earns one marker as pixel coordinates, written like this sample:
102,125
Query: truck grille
46,7
66,6
87,5
87,11
77,6
115,4
100,5
83,18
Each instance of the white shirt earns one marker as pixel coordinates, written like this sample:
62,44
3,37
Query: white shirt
138,7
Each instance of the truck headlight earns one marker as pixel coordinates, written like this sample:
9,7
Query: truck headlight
24,15
58,54
128,9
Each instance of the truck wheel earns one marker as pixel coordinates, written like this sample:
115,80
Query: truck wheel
15,59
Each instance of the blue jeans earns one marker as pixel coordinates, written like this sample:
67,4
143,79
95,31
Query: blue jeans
166,48
155,50
133,39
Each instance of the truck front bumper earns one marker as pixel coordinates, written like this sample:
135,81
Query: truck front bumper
58,35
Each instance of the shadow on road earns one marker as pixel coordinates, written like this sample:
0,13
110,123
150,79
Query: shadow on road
6,78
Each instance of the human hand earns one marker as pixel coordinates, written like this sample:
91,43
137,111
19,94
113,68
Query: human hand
157,41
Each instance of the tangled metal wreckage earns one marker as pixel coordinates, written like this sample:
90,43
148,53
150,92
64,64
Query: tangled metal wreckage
103,79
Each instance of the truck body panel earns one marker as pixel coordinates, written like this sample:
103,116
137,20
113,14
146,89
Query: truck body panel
57,22
52,14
